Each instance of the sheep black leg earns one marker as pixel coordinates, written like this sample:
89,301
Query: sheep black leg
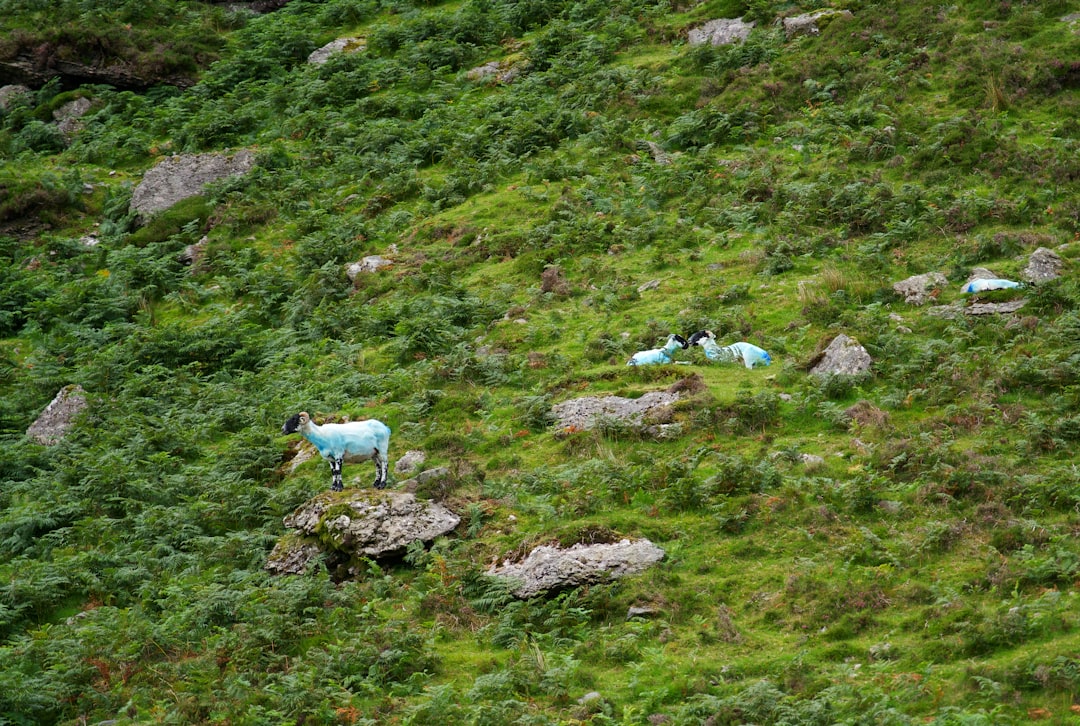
335,469
380,471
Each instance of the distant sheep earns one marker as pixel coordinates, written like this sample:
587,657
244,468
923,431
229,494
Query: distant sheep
985,285
750,354
352,442
659,355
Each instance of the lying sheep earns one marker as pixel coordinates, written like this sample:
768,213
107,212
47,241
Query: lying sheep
750,354
352,442
659,355
986,285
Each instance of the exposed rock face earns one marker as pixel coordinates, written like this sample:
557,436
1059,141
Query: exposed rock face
341,45
724,31
811,23
585,413
371,523
1044,265
59,416
554,568
844,356
180,177
918,289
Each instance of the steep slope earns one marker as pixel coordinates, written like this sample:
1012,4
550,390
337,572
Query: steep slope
557,185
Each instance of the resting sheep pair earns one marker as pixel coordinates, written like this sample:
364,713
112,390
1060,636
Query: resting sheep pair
663,354
352,442
750,354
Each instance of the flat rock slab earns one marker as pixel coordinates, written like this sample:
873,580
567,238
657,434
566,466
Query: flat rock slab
584,413
371,523
179,177
844,356
59,416
555,568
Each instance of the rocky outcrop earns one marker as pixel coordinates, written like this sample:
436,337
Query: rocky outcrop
59,416
179,177
549,568
724,31
584,413
812,23
29,69
917,290
844,356
1043,265
358,523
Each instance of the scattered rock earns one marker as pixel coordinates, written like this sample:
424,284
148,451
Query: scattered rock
410,462
650,285
890,507
812,461
439,472
724,31
193,254
179,177
1044,265
636,611
658,154
291,556
369,522
584,413
341,45
549,568
500,72
90,240
12,93
56,420
1002,308
371,263
844,356
981,273
483,72
589,697
812,23
918,289
304,454
67,116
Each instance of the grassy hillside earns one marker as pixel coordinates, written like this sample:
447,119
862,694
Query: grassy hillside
621,185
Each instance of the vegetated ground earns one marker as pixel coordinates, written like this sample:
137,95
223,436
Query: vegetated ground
924,570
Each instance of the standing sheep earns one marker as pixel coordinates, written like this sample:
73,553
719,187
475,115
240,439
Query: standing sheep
352,442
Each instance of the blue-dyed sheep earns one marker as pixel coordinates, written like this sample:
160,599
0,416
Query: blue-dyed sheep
750,354
338,443
984,285
659,355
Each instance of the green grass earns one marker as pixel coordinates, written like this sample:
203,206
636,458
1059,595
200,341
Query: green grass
924,572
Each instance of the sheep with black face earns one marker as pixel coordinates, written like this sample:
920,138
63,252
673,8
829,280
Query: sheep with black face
337,443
